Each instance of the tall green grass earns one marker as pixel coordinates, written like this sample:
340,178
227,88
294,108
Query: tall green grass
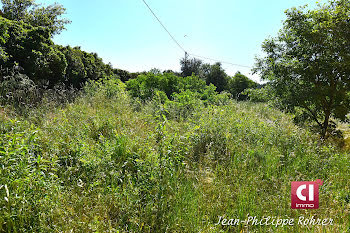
110,163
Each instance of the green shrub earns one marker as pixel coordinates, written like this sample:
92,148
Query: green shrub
107,87
258,95
146,85
183,105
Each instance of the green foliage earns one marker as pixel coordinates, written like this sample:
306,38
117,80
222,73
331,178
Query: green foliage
107,87
184,104
175,97
144,86
308,62
191,66
98,165
35,15
25,39
4,36
17,9
83,66
215,74
27,180
30,48
262,94
217,77
125,75
238,83
17,89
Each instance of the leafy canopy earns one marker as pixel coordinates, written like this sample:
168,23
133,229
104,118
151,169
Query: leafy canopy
238,84
308,63
36,15
26,31
191,66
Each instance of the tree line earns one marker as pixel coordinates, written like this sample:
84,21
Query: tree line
306,66
216,75
26,31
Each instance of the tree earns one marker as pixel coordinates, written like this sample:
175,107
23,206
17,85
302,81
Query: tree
217,76
26,42
83,66
190,66
33,51
29,12
4,36
31,48
308,63
125,75
172,72
16,9
26,30
238,83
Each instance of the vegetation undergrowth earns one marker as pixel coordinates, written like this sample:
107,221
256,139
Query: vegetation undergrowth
108,162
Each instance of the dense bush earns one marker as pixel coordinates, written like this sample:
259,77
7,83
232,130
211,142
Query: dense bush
106,87
31,50
175,97
125,75
263,94
184,104
83,66
145,86
238,84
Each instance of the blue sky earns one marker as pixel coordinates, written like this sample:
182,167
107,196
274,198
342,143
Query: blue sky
125,33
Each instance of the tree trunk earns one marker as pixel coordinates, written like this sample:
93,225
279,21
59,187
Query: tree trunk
325,125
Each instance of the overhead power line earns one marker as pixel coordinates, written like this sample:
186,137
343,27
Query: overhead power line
164,27
225,62
178,44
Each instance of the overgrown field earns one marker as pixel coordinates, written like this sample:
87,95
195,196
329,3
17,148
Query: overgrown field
111,163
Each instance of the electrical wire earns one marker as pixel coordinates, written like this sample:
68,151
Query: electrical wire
223,62
178,44
164,27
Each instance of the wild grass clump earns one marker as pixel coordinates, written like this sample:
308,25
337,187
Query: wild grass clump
107,162
21,94
17,89
27,179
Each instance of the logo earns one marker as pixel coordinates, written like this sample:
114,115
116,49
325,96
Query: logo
305,194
